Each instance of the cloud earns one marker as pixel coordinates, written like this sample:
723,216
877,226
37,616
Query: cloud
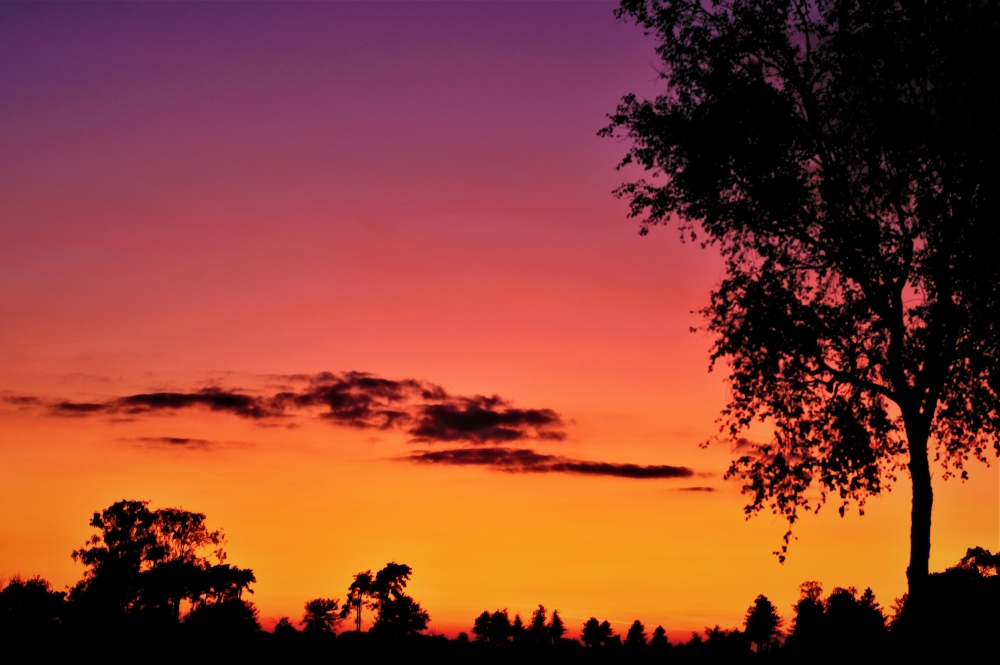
76,408
483,420
696,489
22,400
425,411
215,399
175,441
524,460
358,399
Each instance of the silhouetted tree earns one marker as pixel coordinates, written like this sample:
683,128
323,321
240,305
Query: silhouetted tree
556,627
591,633
144,563
518,633
807,626
29,608
538,631
636,635
958,617
659,639
284,628
230,618
500,629
481,627
321,616
400,617
389,584
598,634
762,624
842,157
852,624
358,594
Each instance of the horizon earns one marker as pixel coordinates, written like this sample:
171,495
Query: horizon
239,197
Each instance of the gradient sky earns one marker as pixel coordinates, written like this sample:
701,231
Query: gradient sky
197,195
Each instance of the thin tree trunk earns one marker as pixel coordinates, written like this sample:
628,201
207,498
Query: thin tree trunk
920,516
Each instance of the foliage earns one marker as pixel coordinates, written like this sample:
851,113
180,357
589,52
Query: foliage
321,616
841,157
146,564
763,624
221,624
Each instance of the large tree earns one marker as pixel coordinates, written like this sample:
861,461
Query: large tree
145,563
841,155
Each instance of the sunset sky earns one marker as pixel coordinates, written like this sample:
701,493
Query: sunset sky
261,205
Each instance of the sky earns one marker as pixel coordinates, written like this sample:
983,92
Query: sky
374,246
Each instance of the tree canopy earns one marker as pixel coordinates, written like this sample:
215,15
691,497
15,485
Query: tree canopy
144,563
841,156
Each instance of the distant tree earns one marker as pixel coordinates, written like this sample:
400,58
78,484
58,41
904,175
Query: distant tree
359,593
500,629
321,616
807,625
481,627
958,619
762,624
145,563
636,636
852,624
591,633
842,157
518,633
659,639
598,634
231,618
556,627
391,580
537,629
398,615
980,561
719,645
401,617
29,608
284,628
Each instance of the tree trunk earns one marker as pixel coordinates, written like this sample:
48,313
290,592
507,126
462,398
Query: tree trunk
920,516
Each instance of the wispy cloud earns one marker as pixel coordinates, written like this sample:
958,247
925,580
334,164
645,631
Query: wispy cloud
524,460
425,411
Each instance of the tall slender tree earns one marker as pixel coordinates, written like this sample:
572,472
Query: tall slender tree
841,156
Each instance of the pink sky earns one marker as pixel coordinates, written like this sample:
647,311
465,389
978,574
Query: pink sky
209,194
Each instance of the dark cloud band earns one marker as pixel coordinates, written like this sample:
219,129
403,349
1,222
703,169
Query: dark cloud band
423,410
523,460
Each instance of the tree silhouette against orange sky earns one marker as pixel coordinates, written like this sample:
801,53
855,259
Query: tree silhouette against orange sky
841,155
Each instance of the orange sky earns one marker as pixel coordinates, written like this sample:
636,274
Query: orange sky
195,195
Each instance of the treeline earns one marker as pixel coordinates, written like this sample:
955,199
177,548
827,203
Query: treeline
160,577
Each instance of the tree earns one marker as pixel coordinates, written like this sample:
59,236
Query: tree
389,583
556,627
537,629
481,627
841,156
321,616
401,617
762,624
145,563
29,607
518,632
636,635
398,615
598,634
284,628
807,626
659,639
500,628
357,594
